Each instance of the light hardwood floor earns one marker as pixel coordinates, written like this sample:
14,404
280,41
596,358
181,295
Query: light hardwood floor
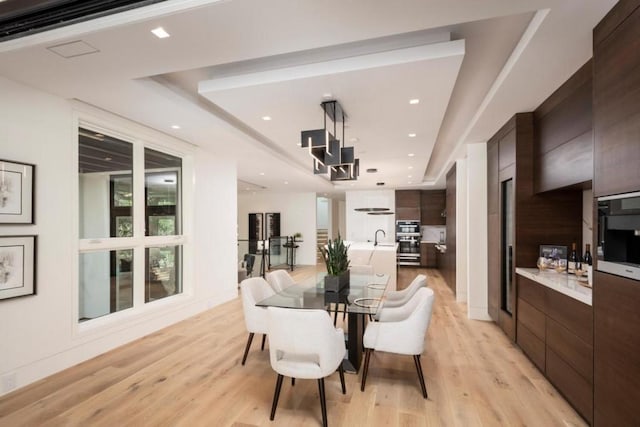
190,375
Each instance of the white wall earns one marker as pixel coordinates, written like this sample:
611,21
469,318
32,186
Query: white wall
335,218
362,227
477,261
39,334
342,218
297,214
322,213
461,230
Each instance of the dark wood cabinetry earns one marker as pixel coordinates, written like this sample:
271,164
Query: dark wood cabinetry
432,207
616,100
556,333
564,137
517,232
616,126
428,255
616,302
408,205
448,265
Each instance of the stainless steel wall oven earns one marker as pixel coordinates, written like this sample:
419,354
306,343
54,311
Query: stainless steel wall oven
408,239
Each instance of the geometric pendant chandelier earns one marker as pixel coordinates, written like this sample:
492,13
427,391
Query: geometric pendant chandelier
329,157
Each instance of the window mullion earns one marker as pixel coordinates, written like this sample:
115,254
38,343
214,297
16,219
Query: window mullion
139,204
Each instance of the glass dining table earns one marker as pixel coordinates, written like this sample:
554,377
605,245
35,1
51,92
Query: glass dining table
360,299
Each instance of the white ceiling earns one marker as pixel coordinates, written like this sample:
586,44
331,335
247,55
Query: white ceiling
515,54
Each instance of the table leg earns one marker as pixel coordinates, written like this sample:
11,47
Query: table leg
354,342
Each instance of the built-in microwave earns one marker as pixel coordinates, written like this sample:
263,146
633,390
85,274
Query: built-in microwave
618,250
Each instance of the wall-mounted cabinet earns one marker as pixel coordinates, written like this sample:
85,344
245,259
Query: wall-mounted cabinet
432,207
616,102
564,137
408,205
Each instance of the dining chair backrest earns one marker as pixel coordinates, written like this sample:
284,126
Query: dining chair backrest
404,329
279,280
253,290
304,343
361,269
397,298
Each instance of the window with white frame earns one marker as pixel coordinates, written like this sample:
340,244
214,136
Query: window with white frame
130,223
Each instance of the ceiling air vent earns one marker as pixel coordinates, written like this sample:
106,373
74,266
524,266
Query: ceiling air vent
19,18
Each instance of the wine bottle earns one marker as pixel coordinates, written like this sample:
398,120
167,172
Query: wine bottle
587,260
573,260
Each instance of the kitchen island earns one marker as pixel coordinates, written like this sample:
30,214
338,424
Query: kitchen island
382,257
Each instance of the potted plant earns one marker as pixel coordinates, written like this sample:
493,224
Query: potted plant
297,237
337,262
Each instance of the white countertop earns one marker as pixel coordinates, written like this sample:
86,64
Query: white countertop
368,246
562,282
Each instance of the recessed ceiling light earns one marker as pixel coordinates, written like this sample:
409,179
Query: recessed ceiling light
286,182
410,176
414,101
247,189
352,184
410,167
409,182
160,33
299,144
175,127
411,154
327,95
412,135
266,118
261,173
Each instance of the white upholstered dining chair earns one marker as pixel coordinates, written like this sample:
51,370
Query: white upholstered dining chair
398,298
279,280
253,290
304,344
401,330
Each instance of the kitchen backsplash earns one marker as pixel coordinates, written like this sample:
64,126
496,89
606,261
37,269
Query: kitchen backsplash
431,233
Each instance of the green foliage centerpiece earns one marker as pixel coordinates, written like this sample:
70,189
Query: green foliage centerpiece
337,262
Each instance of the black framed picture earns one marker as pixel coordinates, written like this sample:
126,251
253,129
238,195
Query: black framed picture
16,192
17,266
553,256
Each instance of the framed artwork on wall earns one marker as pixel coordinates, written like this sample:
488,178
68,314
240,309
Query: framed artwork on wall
16,192
17,266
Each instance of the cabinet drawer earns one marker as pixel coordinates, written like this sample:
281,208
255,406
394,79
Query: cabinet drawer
577,391
531,345
531,292
577,317
572,349
532,318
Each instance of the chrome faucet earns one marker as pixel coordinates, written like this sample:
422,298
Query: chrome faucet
375,239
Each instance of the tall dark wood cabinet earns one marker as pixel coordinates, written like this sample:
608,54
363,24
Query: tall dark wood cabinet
616,100
616,300
449,257
519,219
